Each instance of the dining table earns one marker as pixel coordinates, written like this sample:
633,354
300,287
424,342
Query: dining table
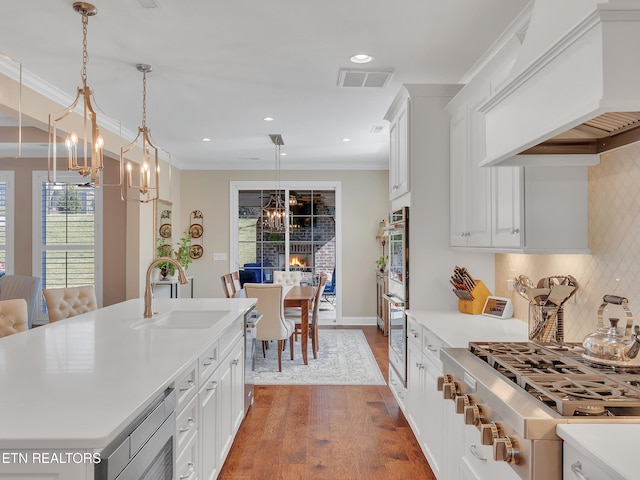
301,296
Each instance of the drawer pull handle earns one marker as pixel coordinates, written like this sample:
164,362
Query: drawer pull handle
191,471
474,451
212,386
190,384
235,362
576,468
211,359
190,423
430,348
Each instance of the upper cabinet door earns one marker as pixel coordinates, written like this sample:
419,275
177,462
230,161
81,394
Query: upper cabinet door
507,207
399,154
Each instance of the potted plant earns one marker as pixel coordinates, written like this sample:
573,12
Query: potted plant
382,263
180,253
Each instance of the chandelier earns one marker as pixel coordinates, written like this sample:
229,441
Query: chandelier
144,186
84,154
274,212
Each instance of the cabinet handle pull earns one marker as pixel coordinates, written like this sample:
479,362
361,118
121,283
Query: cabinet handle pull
430,348
212,386
235,362
189,386
192,469
514,231
190,423
576,468
211,359
474,451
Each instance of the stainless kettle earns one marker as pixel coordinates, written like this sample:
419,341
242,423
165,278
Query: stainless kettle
608,345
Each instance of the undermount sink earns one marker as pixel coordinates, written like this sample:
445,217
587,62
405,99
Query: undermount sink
179,319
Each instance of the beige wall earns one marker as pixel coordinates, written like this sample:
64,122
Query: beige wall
113,232
614,232
364,204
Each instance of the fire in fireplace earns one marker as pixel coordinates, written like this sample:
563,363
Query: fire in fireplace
299,260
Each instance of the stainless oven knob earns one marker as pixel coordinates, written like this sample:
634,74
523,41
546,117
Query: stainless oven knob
462,401
489,432
505,449
473,415
442,380
450,390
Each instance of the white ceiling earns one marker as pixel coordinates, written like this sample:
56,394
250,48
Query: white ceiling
221,66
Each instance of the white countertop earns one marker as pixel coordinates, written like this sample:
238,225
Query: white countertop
611,447
458,329
78,382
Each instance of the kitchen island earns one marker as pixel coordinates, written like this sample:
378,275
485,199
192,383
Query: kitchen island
74,385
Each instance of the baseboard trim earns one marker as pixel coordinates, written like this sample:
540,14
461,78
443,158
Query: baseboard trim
366,321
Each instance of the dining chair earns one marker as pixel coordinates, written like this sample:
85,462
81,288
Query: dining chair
273,325
330,289
19,286
281,277
235,277
227,285
14,316
68,302
296,314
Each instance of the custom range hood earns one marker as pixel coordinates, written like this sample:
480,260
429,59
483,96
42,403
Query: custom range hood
574,90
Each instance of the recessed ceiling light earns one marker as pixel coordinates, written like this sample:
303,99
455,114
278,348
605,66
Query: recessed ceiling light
346,139
268,119
361,58
206,139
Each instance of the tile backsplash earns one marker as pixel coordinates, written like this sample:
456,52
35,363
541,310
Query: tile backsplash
613,267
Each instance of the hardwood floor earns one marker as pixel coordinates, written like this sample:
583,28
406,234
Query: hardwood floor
327,432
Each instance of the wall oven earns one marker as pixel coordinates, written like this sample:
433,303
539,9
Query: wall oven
146,449
397,336
397,295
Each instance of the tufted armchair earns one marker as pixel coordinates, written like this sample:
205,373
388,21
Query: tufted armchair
67,302
18,286
286,278
13,316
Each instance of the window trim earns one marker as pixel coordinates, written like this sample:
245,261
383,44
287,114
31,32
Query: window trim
8,176
38,178
234,190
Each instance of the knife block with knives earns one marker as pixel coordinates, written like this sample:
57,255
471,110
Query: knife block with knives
472,294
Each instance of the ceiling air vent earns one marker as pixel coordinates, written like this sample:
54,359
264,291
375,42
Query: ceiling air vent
353,77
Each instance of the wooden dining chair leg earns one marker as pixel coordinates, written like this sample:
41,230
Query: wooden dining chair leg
280,347
291,345
264,354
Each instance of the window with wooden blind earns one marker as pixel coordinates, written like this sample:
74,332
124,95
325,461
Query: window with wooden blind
6,222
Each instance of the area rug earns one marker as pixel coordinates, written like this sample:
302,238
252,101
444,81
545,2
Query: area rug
344,359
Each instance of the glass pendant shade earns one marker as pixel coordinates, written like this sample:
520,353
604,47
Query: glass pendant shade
75,139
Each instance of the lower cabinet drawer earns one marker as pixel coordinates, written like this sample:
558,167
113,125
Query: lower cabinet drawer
187,424
187,462
576,466
186,385
397,387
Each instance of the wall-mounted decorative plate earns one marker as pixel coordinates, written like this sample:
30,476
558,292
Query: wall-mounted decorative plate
165,250
195,251
196,230
165,230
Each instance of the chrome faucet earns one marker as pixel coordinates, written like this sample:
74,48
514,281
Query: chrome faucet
148,290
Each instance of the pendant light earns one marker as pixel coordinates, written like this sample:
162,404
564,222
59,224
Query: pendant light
84,153
144,185
274,212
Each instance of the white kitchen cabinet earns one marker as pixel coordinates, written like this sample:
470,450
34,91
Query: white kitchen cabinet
578,466
470,207
398,153
424,405
413,122
507,207
208,407
230,380
477,459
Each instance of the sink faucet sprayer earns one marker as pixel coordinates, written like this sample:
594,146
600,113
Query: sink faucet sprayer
148,290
